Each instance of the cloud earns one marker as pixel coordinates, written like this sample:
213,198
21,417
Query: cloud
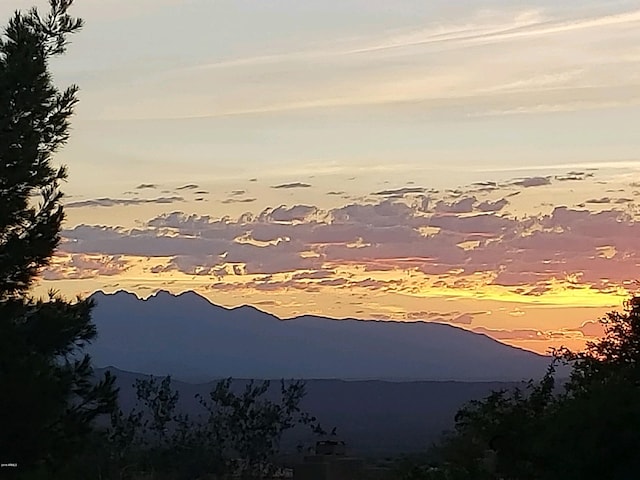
573,176
455,317
464,205
313,275
81,266
190,186
203,225
298,213
464,319
599,200
525,24
589,329
267,303
285,186
532,182
113,202
459,244
238,200
400,192
517,334
489,206
592,329
439,67
483,187
608,200
314,284
144,186
484,184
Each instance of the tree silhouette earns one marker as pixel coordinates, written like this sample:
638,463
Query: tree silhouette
238,432
597,419
590,429
48,398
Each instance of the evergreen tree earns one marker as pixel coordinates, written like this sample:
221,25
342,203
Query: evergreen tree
48,397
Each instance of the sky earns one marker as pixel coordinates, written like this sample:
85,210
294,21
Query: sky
472,162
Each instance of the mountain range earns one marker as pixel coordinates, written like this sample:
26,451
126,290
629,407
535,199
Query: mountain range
194,340
373,417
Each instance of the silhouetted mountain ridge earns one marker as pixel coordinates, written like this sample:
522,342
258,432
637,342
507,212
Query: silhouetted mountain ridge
374,417
191,338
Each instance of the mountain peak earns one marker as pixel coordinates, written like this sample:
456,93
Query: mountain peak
187,336
120,294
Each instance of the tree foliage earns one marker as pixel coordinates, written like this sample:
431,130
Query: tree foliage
238,433
48,398
587,428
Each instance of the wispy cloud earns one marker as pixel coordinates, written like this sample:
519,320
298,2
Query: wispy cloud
238,200
287,186
461,66
527,24
532,182
189,186
113,202
399,191
485,38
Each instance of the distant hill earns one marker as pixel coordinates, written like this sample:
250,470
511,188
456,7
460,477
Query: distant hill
194,340
373,417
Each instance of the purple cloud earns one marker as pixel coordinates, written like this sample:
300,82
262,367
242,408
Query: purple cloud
113,202
532,182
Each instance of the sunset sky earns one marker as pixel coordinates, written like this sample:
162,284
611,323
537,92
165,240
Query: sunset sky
469,162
